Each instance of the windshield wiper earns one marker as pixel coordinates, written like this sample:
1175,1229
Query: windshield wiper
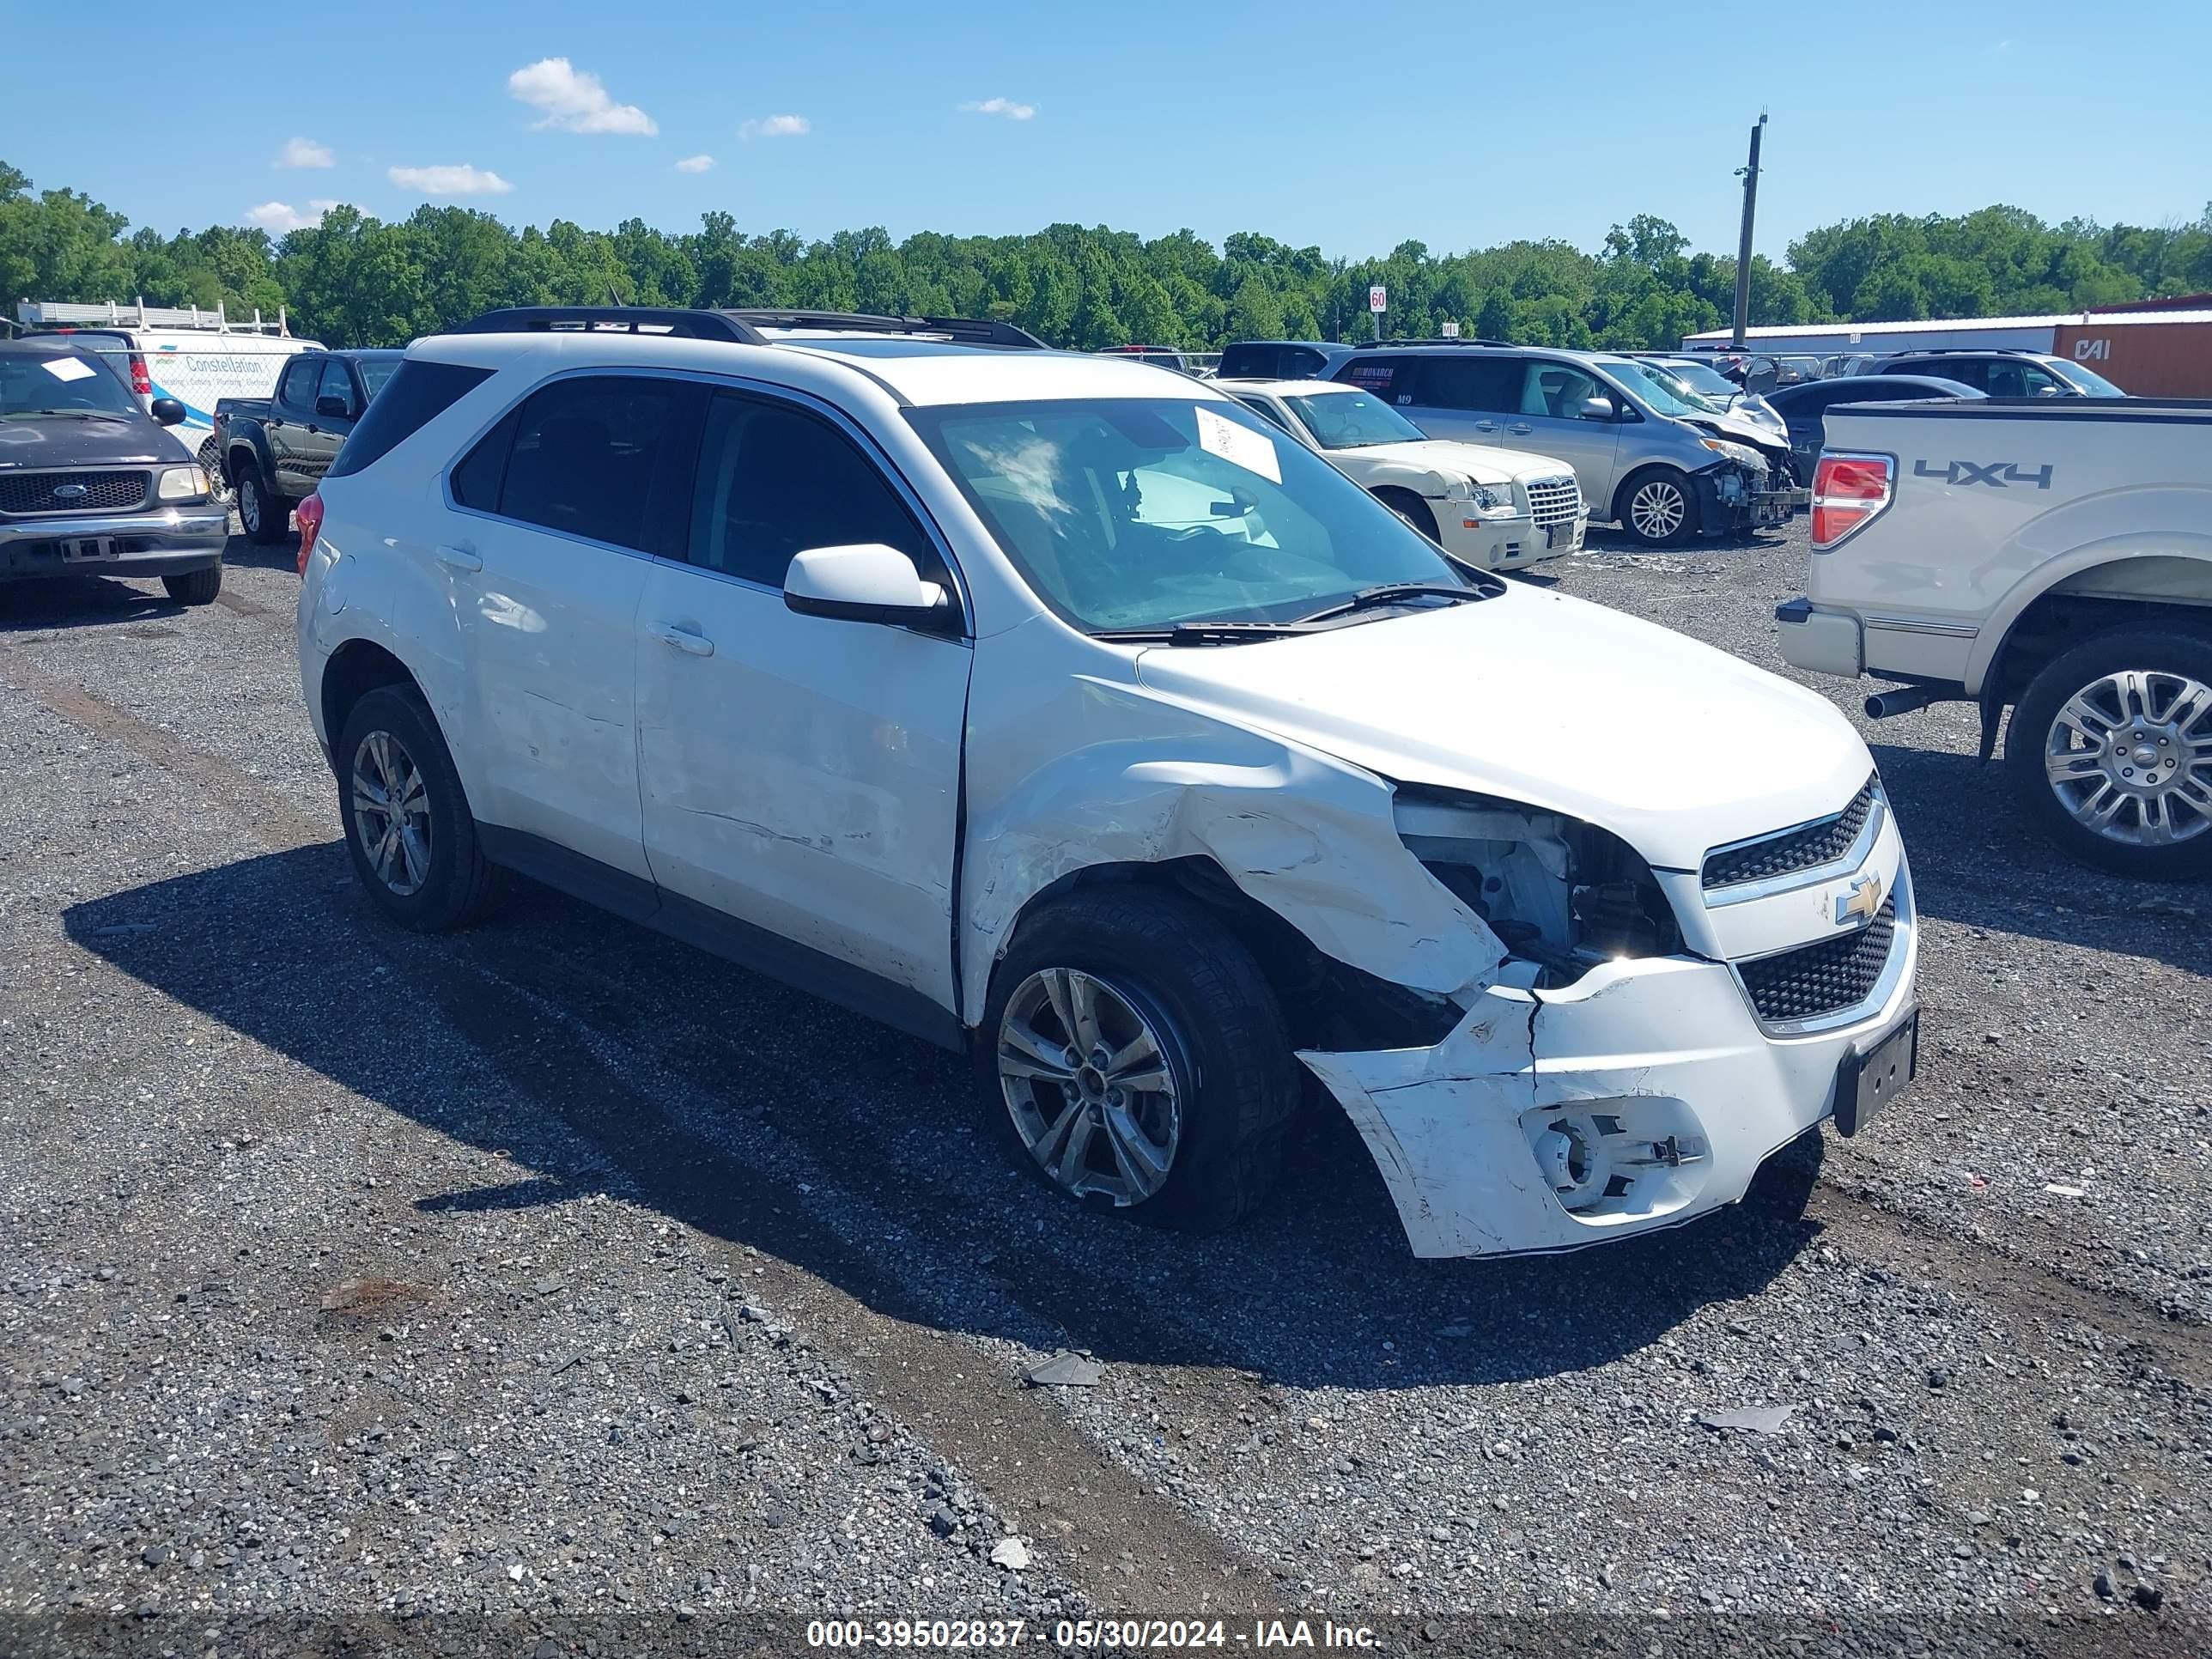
1389,594
1201,633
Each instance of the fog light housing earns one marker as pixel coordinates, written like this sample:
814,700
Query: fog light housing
1622,1159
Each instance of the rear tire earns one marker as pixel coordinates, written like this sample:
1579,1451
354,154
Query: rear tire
211,460
195,586
2120,728
263,513
1658,507
1412,508
422,864
1161,975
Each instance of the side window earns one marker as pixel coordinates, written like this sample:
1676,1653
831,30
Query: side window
2018,378
335,383
419,392
775,481
477,478
1557,392
300,376
1485,384
1975,374
1298,362
607,457
1265,410
1394,379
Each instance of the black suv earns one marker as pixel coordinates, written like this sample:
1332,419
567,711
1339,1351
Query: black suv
90,483
2000,373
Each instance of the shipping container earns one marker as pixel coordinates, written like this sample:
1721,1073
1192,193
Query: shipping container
2145,354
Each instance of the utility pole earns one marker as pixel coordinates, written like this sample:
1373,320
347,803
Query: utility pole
1750,176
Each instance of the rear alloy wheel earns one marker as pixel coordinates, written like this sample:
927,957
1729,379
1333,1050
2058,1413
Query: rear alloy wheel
1658,510
408,831
2111,748
262,514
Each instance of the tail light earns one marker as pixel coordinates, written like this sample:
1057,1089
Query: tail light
310,513
1848,492
141,381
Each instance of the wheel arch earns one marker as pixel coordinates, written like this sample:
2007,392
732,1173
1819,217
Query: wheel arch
1627,487
2108,584
353,670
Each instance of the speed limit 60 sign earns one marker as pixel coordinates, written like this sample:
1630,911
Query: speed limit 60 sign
1378,297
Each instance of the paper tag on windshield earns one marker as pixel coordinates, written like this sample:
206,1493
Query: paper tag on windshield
68,369
1253,450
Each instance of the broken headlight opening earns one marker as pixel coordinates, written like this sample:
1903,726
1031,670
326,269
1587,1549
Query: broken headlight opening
1561,894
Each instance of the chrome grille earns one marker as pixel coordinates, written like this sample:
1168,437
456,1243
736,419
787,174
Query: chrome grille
1825,978
1554,501
104,492
1788,851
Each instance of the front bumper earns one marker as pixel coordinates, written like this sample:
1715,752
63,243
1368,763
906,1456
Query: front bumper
171,540
1660,1065
1491,541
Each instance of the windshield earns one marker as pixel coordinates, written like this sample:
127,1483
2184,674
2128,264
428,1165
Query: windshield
1131,514
1702,379
1660,389
1352,420
2087,380
375,371
60,383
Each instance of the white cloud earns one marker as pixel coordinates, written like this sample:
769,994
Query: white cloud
462,180
1006,106
277,217
776,126
304,153
695,164
574,98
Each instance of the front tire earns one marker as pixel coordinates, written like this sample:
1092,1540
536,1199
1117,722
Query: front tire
195,586
262,514
1413,509
2110,749
1132,1058
408,827
211,460
1658,508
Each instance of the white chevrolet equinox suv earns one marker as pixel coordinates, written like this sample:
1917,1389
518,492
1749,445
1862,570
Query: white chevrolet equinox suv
1065,712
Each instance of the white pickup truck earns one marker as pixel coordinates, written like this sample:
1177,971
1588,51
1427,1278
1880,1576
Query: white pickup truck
2056,556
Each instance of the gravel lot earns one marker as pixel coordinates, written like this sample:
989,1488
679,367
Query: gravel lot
556,1288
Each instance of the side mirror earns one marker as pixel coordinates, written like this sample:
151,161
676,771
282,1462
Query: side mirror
1596,409
869,582
167,411
336,407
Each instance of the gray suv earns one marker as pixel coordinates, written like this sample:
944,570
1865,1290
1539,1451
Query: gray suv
1651,455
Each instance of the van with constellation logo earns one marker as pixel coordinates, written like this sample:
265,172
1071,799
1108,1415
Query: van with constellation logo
2053,554
182,352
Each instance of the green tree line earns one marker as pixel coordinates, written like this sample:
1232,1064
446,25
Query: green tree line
357,280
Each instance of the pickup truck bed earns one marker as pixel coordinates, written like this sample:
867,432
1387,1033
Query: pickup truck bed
2053,555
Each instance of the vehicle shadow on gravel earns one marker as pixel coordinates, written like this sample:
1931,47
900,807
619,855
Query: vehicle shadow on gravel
81,602
1977,862
600,1057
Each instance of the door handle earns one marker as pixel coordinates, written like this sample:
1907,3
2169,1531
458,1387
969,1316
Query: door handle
460,558
684,639
1485,426
1521,427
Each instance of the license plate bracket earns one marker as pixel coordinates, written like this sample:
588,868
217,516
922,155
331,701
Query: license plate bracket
1560,535
1868,1079
87,549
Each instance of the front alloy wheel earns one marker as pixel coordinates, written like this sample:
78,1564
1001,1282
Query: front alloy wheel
391,813
1658,509
1084,1069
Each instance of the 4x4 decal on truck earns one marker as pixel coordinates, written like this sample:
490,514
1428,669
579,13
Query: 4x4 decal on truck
1973,472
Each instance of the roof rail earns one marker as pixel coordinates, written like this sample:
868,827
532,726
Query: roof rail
967,330
675,322
1431,340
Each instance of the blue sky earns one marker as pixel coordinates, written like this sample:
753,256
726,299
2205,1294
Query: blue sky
1349,127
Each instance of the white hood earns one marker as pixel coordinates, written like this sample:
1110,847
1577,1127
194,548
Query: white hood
1483,463
1551,701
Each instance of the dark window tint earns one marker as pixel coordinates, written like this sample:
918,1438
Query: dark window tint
1394,379
300,376
1270,363
1973,372
1483,383
2015,377
1806,403
775,481
335,383
1265,411
419,393
607,457
476,480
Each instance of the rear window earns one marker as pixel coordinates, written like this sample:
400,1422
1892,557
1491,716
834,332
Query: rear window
418,394
1270,363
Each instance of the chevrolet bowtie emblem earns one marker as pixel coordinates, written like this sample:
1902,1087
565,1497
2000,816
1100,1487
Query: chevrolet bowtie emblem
1863,900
